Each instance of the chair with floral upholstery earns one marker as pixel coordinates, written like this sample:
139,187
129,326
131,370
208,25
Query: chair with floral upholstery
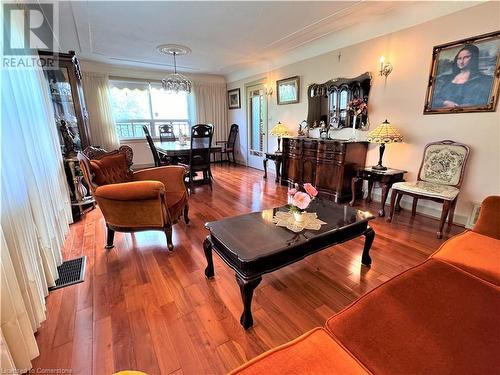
149,199
439,179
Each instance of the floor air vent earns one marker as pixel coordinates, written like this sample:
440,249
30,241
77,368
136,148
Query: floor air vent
70,272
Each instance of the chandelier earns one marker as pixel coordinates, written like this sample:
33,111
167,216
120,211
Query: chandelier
175,82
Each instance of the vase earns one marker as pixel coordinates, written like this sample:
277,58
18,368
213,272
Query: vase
298,217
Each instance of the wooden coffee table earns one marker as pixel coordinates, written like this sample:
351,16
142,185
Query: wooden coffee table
252,245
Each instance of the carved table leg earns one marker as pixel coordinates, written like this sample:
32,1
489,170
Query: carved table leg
265,167
246,288
370,188
369,236
207,247
278,169
385,191
354,181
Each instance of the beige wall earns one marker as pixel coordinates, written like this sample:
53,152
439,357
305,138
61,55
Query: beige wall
142,153
401,100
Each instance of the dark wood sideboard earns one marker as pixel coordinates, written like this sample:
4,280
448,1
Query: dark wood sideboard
328,164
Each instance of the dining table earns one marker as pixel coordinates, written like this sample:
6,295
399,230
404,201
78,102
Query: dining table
180,150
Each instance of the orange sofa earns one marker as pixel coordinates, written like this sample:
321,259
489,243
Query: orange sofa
440,317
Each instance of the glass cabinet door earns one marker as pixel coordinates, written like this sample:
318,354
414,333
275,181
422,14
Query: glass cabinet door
333,117
62,101
343,99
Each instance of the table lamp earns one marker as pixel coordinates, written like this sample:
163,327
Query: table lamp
279,131
382,134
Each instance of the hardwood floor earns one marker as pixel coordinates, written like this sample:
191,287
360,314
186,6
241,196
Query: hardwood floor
143,308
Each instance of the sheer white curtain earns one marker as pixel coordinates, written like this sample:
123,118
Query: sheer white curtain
102,126
210,107
35,211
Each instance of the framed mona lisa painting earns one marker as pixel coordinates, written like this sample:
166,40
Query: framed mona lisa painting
464,76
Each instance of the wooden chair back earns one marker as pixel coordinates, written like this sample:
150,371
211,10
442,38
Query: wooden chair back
233,133
201,141
167,133
152,146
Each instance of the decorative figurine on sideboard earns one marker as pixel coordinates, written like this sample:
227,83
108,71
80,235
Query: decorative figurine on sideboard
323,130
301,132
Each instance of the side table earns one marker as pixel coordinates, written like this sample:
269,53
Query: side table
277,157
384,178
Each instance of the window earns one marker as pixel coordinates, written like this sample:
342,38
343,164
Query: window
136,103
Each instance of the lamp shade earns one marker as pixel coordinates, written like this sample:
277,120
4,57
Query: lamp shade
280,130
384,133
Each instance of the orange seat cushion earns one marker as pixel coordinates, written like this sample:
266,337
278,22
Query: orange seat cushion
474,253
432,319
315,352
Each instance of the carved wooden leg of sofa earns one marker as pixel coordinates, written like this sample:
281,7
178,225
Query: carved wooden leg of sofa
186,214
168,234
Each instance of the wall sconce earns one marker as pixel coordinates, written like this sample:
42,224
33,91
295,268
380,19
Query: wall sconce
269,90
385,67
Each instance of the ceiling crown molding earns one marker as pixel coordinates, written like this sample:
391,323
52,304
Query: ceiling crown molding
356,24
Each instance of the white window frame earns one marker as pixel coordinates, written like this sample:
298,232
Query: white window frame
178,124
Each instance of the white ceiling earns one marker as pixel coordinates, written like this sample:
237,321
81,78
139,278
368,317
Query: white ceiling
226,37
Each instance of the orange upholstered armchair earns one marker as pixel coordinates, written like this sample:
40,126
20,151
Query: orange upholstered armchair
150,199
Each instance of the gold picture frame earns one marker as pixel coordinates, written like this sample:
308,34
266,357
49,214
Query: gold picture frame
288,90
464,76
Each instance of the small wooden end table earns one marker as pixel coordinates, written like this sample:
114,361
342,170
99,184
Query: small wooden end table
384,178
277,157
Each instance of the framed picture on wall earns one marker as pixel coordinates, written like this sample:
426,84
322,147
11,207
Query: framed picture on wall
233,98
464,76
288,90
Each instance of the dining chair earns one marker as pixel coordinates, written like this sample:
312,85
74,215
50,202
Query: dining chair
159,160
228,146
439,179
167,133
199,153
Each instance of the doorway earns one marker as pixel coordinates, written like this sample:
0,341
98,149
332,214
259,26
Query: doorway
257,125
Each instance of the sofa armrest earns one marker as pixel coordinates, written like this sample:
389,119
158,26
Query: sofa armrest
488,222
130,191
171,176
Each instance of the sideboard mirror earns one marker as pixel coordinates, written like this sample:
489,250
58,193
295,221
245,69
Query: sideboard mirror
339,103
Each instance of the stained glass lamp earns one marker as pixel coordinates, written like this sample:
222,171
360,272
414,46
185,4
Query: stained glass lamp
382,134
279,131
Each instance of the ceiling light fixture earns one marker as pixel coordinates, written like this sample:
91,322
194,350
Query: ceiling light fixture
175,82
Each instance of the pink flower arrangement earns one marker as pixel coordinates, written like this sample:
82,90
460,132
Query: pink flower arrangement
300,200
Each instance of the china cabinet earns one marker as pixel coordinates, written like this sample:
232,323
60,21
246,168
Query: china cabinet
63,77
